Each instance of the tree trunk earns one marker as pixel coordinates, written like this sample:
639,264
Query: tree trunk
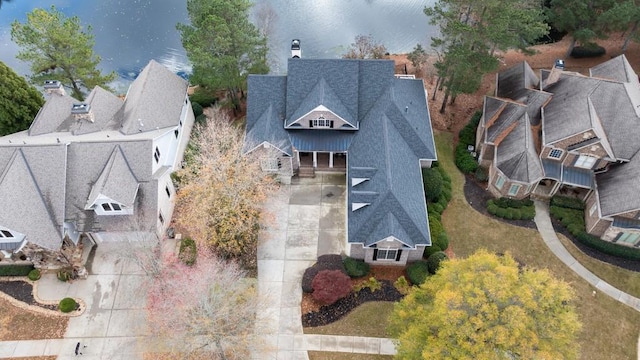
453,99
444,101
571,46
629,36
435,89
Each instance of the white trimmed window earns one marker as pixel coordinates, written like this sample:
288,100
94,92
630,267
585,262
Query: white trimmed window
499,182
513,189
156,155
387,254
111,207
321,122
270,164
4,234
555,153
629,238
585,162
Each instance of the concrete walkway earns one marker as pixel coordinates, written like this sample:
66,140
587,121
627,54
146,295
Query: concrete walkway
307,220
543,222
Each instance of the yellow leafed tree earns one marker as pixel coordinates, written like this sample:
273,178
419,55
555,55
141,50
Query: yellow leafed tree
487,307
221,192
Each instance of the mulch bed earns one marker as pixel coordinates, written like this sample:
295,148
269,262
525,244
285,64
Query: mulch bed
330,313
23,291
477,197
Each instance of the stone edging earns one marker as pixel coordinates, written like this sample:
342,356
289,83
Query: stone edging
38,309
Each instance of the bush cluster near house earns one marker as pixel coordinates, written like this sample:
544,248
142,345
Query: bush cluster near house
418,272
201,98
355,268
467,137
437,188
570,212
34,275
330,286
188,251
512,209
325,262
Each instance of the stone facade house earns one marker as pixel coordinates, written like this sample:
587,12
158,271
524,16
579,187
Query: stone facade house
97,170
567,132
352,116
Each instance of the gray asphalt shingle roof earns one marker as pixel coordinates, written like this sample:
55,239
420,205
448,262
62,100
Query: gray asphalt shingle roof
516,155
116,182
619,188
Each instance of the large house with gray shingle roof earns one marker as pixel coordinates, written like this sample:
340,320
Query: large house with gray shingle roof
567,132
353,116
98,170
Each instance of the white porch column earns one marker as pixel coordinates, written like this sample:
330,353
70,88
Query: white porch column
331,160
315,159
298,157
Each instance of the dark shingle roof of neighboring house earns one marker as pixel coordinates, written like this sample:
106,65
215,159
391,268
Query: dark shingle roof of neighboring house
516,155
265,113
619,188
154,100
32,180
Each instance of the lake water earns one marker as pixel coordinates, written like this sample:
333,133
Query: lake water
130,33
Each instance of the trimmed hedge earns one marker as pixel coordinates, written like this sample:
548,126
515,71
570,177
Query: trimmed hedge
519,209
435,226
355,268
442,241
15,270
573,220
430,250
418,272
67,305
34,275
567,202
512,203
433,262
197,109
467,136
433,184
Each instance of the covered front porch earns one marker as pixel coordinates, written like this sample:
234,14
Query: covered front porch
320,160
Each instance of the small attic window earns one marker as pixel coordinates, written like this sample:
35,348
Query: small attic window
356,206
357,181
5,234
156,155
111,207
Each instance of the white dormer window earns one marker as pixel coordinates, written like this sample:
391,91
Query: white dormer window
357,181
111,207
6,234
357,206
321,122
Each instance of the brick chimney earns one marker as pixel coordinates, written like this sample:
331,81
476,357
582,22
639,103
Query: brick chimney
82,111
54,87
296,52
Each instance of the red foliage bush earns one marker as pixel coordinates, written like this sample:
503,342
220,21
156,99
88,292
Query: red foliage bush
330,286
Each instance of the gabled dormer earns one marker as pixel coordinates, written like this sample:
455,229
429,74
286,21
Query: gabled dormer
10,239
115,190
322,109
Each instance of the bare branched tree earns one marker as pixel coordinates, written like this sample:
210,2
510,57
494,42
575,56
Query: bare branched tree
365,47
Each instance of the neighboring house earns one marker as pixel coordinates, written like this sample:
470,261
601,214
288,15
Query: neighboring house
98,169
566,132
353,116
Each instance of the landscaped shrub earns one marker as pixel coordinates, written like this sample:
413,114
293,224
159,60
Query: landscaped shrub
197,109
464,160
355,268
307,279
201,119
446,194
501,212
402,285
188,251
482,174
511,209
433,262
491,207
64,274
567,202
442,241
418,272
504,202
15,270
445,177
67,305
435,208
34,275
203,97
528,213
372,284
430,250
330,262
330,286
433,184
579,52
435,226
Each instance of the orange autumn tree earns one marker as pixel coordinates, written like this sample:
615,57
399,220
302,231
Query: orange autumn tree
221,192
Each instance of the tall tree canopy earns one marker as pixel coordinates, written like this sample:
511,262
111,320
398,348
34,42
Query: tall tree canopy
470,33
486,307
580,19
59,49
19,101
624,15
223,45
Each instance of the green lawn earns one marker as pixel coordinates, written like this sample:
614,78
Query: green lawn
369,319
625,280
610,329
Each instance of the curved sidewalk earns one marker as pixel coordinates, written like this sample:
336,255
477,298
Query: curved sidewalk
543,222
